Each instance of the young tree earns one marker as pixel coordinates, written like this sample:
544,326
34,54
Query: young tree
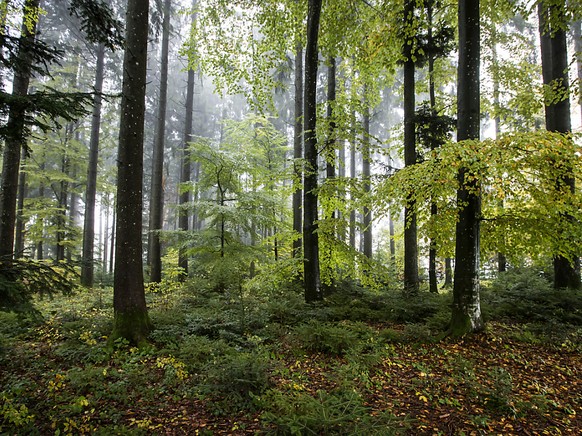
466,313
310,214
129,305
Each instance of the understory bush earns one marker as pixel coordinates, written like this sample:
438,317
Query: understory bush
340,412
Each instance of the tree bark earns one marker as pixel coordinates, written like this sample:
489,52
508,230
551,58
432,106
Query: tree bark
87,263
566,271
298,149
157,194
411,282
20,222
131,320
366,159
310,213
185,167
15,142
466,311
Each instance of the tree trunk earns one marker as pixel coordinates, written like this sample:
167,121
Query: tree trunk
20,223
432,251
310,214
466,313
185,167
298,149
411,282
157,200
87,263
578,47
131,320
555,69
15,141
353,177
366,159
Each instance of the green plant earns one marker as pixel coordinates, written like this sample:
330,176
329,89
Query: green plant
328,338
235,379
341,412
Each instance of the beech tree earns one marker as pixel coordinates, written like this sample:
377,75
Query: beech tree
466,314
310,204
130,311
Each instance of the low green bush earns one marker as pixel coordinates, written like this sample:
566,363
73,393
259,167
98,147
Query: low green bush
342,412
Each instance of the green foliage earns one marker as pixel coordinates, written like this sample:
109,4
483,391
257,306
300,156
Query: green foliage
20,279
327,338
525,200
339,412
235,379
523,295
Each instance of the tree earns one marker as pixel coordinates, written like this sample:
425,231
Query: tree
298,147
15,127
466,311
552,17
130,311
310,214
87,265
157,200
411,282
185,167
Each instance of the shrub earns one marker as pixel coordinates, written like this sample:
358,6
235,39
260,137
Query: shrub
326,338
235,379
342,412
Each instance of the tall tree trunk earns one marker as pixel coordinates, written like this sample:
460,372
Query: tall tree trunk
113,240
63,196
105,206
185,167
157,200
16,140
501,259
466,313
310,214
578,47
20,222
353,178
131,320
298,149
555,69
411,282
432,251
366,159
87,263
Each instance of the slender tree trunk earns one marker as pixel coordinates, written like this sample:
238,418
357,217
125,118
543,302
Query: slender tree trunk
157,200
20,222
113,240
87,264
353,177
466,313
411,281
63,194
131,320
186,168
578,47
16,140
298,149
432,251
105,206
366,159
501,259
310,214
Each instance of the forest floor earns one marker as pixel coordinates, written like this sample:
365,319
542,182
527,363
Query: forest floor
218,365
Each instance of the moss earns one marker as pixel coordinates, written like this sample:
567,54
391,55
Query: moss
134,326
